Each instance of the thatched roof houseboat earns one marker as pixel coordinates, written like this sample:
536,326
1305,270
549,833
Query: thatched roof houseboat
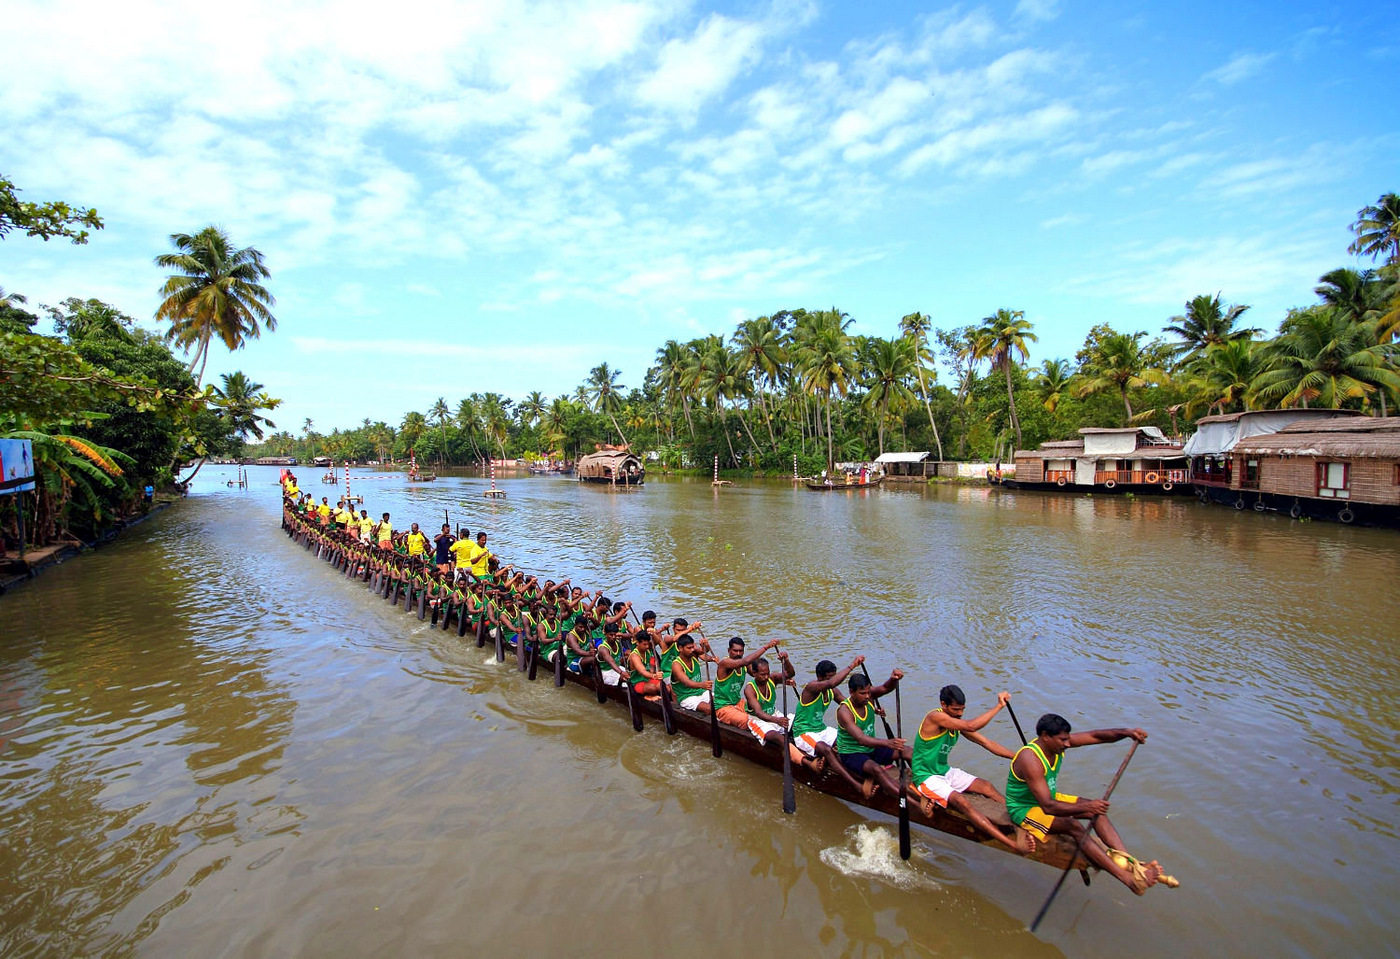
614,467
1343,467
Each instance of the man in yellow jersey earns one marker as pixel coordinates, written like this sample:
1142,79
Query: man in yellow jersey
417,542
385,532
366,527
324,511
461,551
936,783
480,557
1035,806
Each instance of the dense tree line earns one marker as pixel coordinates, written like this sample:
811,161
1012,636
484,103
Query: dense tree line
108,407
799,383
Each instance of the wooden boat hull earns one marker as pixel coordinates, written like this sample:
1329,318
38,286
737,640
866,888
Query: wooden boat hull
824,487
1057,852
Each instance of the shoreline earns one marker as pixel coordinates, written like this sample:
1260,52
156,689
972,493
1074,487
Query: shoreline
19,571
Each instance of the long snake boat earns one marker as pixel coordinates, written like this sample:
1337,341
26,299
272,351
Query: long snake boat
1058,851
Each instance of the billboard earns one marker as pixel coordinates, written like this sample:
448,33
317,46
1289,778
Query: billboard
16,466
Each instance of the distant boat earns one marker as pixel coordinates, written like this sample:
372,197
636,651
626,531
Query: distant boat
614,467
829,484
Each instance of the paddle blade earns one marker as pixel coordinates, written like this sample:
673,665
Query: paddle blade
534,661
422,604
437,613
716,747
500,646
905,845
559,668
789,790
635,708
598,683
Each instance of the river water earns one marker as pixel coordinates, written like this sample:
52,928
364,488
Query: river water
211,744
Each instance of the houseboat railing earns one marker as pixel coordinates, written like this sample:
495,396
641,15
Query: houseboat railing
1144,477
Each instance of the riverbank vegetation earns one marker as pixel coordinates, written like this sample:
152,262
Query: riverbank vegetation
107,405
798,383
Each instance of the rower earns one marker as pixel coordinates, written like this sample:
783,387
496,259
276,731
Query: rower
579,644
1035,806
643,671
760,702
859,749
609,655
692,691
417,542
937,783
549,633
669,645
442,546
811,736
385,532
731,674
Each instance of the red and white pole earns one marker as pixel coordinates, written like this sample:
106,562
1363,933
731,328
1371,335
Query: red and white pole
716,469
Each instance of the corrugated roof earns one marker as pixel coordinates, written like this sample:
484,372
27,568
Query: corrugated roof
901,457
1302,414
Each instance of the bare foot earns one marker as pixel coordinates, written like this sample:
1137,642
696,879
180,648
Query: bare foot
868,787
1024,842
926,806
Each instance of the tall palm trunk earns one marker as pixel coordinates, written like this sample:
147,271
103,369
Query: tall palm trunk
1126,405
618,428
1011,399
830,463
923,391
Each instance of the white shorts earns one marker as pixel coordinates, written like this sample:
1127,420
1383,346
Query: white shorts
612,678
761,728
693,702
807,742
939,788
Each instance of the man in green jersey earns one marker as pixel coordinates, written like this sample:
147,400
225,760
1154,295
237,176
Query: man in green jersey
859,749
687,675
812,738
731,675
766,721
1035,806
935,782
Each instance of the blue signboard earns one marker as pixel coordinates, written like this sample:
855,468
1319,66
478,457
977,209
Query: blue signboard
16,466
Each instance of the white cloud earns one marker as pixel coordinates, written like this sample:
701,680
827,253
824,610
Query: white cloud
1036,10
1240,67
691,71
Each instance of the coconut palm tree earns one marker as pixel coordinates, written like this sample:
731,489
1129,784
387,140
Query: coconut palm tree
495,419
720,376
1207,323
888,365
1322,357
603,388
825,361
1052,382
915,328
1119,362
762,355
531,408
1377,230
671,377
442,414
243,400
413,426
1223,377
1000,340
469,422
216,290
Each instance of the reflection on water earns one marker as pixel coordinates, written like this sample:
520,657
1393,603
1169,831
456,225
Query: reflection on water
211,743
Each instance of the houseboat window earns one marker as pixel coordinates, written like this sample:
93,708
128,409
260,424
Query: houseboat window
1334,480
1251,471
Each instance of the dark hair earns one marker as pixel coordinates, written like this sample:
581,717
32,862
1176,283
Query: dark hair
952,696
736,641
686,639
858,681
762,661
1051,725
610,628
679,621
649,614
825,668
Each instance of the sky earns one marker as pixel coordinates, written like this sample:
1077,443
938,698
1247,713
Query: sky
475,195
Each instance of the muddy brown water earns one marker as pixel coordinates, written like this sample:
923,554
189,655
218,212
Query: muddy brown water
210,744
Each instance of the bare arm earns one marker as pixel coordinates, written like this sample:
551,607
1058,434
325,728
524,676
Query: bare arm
847,721
731,666
1096,736
1028,767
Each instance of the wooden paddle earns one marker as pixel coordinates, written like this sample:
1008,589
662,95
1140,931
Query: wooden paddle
789,792
437,613
905,846
500,644
716,747
1089,828
1016,722
559,664
422,602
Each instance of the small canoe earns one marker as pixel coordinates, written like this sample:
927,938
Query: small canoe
820,485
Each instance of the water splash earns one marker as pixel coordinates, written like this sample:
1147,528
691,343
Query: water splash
872,852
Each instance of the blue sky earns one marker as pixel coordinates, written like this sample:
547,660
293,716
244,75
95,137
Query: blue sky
465,196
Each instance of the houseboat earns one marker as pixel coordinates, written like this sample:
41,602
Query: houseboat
611,466
1136,458
1323,464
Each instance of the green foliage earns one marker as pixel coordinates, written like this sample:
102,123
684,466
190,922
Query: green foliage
44,220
